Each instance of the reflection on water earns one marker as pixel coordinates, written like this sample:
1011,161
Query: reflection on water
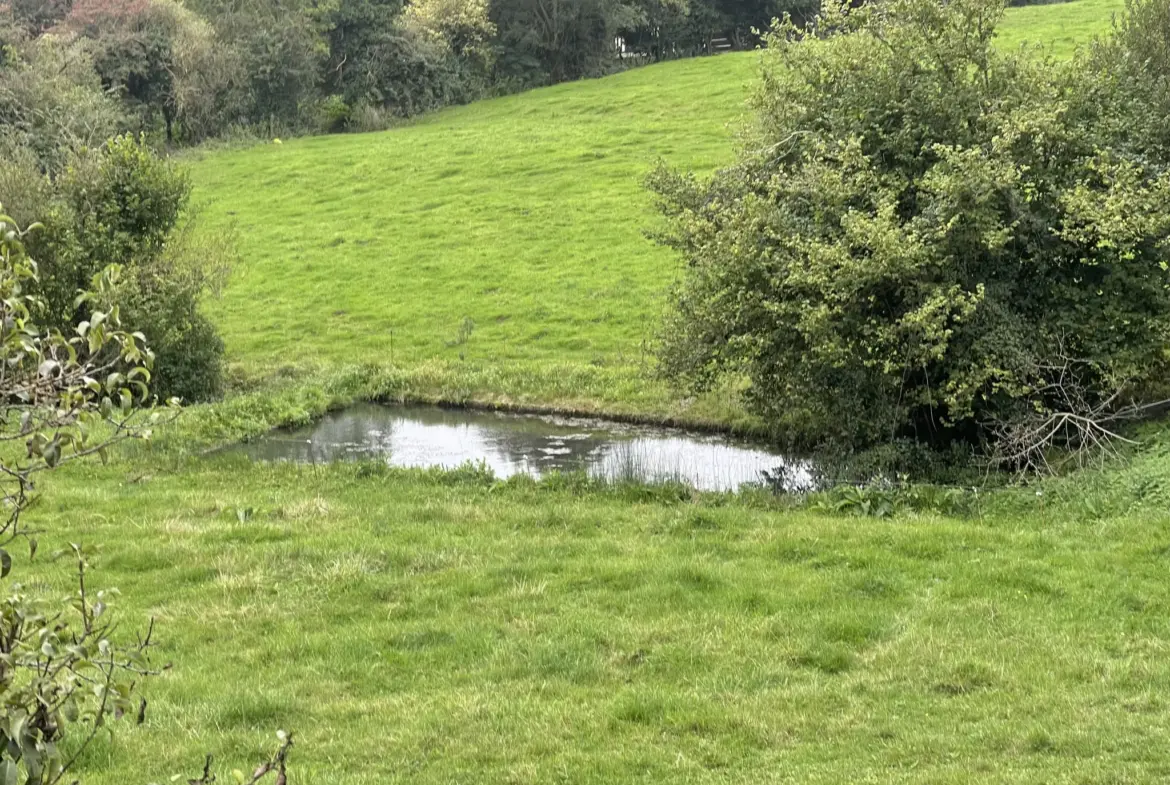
509,444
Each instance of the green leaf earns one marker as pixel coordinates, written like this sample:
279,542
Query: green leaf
5,563
8,772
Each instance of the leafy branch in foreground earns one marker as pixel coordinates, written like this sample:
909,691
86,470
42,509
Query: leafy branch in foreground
63,674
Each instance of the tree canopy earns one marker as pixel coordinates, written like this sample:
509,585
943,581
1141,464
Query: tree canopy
210,67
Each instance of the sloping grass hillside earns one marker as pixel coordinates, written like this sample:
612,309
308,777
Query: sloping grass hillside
1059,28
499,245
507,234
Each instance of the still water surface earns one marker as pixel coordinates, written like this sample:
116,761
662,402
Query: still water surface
509,444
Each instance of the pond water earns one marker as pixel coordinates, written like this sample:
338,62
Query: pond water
509,444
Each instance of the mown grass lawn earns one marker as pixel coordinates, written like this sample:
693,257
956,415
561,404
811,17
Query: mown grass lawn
416,628
505,237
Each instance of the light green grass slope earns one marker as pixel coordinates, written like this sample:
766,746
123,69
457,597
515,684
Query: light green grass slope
1059,28
501,243
524,215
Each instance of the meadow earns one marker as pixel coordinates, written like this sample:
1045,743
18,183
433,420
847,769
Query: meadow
442,627
498,251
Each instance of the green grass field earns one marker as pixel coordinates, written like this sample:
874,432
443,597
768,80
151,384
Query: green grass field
443,628
523,215
1060,29
497,247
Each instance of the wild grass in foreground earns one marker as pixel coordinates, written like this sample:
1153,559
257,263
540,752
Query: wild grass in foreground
501,238
439,628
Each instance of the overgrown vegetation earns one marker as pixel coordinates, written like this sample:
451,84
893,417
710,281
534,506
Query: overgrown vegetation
926,237
210,68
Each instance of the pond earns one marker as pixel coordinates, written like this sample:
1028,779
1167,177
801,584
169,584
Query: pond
510,444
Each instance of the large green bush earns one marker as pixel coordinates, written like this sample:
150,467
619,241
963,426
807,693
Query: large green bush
122,204
923,236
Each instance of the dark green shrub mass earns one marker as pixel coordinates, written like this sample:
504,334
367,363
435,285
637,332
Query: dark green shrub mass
924,237
122,204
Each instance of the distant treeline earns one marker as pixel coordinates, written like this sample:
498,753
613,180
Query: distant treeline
77,71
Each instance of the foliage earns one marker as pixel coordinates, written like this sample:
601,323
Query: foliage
1132,67
62,675
461,25
118,203
163,301
263,64
156,54
122,203
52,102
403,64
887,499
920,231
557,40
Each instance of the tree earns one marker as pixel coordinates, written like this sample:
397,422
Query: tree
462,26
559,40
433,55
132,45
52,102
922,237
266,64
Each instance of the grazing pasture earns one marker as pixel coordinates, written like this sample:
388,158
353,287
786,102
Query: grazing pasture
431,628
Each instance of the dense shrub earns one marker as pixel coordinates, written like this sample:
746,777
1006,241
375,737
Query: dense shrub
117,205
923,236
162,301
52,101
1132,68
122,204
